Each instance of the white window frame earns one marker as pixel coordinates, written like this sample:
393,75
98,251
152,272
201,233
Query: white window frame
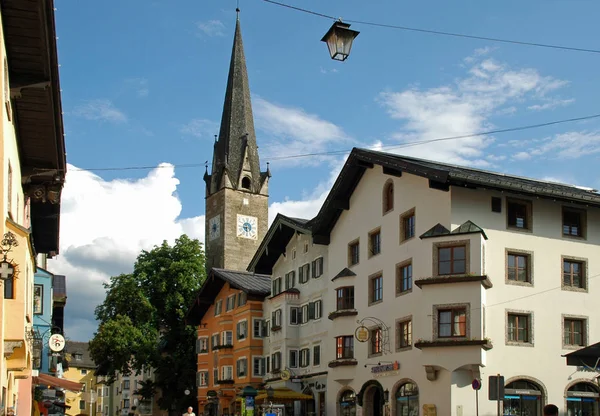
314,355
216,376
204,378
218,307
243,323
319,302
289,356
260,370
237,367
225,371
318,267
261,328
278,315
294,312
224,338
304,357
230,300
304,314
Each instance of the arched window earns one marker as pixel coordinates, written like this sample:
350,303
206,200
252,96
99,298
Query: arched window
407,400
582,399
348,403
388,196
246,182
522,397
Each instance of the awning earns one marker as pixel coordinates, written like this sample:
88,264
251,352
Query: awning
585,357
47,380
282,394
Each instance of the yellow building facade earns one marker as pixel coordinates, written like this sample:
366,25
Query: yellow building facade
32,172
81,370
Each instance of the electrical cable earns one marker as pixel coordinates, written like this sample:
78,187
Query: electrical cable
438,32
337,152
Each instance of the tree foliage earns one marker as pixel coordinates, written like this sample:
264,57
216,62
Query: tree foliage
142,320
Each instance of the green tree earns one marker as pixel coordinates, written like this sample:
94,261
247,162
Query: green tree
142,321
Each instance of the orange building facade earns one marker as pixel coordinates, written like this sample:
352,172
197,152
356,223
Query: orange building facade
228,311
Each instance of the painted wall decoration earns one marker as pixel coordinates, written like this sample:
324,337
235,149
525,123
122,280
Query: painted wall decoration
38,299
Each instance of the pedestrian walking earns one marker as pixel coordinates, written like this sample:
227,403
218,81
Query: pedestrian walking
550,410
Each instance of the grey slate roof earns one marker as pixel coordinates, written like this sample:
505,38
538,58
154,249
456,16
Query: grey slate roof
237,135
441,176
256,284
76,349
468,227
435,231
345,272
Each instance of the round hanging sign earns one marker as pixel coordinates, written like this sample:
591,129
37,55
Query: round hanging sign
56,342
362,334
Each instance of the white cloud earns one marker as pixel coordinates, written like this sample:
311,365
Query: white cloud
462,108
551,104
329,71
521,156
140,85
105,225
293,131
201,128
570,145
211,27
100,110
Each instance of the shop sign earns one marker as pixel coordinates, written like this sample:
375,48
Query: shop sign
385,369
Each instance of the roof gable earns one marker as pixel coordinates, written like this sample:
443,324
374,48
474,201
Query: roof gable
441,176
275,242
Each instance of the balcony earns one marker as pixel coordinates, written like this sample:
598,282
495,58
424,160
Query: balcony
341,313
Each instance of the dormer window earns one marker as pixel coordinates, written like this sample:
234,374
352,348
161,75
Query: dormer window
246,183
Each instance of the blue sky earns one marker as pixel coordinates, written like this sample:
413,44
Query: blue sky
143,84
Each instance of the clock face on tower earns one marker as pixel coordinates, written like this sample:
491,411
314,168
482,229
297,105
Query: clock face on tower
247,227
214,227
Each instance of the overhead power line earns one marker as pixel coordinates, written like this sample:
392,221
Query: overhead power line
437,32
343,151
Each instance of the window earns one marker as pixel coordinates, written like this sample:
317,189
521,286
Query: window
276,361
388,196
317,355
290,280
573,273
267,364
9,288
84,372
574,332
376,342
276,319
376,289
38,299
216,375
226,338
304,357
126,403
258,366
276,287
293,254
582,399
347,403
227,372
293,358
573,221
345,298
259,329
317,267
294,315
246,182
404,334
452,260
203,378
496,204
518,214
242,330
214,341
407,225
218,307
344,347
452,323
407,399
82,405
202,345
518,267
305,247
316,309
404,277
242,298
304,314
242,367
374,242
304,273
77,356
518,328
353,253
230,303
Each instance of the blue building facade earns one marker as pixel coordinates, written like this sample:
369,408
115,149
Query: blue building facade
42,318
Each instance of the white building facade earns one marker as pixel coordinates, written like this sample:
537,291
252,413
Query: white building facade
296,313
449,275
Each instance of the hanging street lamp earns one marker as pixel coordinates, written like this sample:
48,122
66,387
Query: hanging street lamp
339,40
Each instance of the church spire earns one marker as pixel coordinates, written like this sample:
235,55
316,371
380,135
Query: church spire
235,161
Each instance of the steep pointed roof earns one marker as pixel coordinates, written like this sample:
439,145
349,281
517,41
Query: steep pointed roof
236,151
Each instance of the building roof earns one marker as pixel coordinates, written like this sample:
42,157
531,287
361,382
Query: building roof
30,40
255,285
441,176
79,349
236,148
275,242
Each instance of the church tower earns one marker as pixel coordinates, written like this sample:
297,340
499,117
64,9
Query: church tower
237,199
